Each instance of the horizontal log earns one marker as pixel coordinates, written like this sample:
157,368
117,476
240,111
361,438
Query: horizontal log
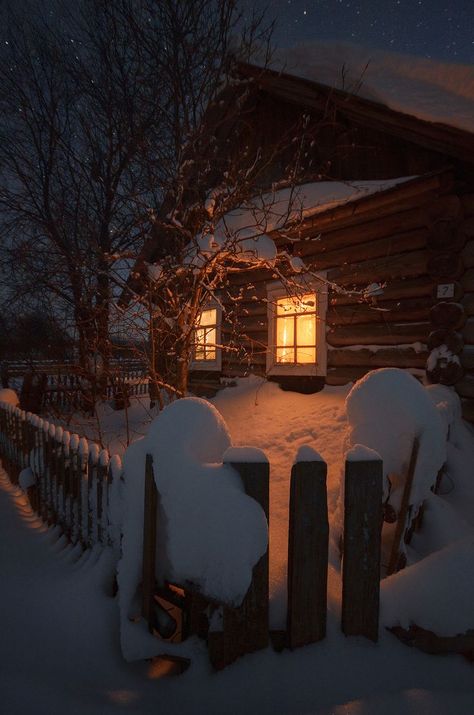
447,315
468,331
236,370
453,340
370,334
467,406
381,269
394,290
444,265
444,235
467,203
467,254
466,229
323,255
465,387
448,206
444,372
385,311
467,280
384,357
344,375
467,357
353,232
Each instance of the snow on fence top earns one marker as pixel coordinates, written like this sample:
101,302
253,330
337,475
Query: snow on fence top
428,89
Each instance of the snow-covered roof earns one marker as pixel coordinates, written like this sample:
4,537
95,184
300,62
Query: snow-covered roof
274,210
428,89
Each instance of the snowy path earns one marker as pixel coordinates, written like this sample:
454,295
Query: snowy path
59,652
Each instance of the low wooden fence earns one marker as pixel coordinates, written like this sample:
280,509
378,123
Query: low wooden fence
70,478
232,632
71,487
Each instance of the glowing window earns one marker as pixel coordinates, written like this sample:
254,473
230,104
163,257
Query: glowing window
295,332
205,336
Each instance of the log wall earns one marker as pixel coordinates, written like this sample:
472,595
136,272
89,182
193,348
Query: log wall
412,246
465,386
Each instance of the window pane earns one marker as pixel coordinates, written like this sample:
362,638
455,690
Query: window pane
306,329
293,305
285,334
306,354
208,317
285,355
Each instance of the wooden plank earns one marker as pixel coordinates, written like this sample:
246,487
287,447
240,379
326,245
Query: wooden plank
394,559
405,265
394,290
149,543
378,334
384,311
361,560
307,554
245,629
325,256
331,235
384,357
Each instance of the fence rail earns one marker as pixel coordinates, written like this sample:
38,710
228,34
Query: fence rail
68,479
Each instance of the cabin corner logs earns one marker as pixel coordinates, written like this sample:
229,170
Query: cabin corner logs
419,242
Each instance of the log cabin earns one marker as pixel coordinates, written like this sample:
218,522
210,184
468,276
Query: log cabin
411,235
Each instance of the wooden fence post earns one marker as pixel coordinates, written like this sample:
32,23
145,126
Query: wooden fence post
245,628
307,551
363,516
149,543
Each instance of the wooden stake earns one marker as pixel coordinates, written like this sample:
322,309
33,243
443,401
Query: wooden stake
307,554
402,516
149,543
362,533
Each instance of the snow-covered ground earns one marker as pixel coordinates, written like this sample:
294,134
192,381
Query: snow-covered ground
59,645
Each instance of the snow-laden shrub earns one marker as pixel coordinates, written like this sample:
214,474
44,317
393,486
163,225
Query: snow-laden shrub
386,410
209,532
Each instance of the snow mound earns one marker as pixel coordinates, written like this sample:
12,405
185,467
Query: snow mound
386,410
436,593
425,88
9,397
209,532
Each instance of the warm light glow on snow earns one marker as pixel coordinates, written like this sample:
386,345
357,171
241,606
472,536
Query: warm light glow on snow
296,329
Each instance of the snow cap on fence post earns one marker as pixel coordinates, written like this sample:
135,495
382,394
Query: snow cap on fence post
74,442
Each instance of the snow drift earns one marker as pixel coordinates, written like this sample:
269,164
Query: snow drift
210,533
386,410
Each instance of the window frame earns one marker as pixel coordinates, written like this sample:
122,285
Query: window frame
277,290
215,364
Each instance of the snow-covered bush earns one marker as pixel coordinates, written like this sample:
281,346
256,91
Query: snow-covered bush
209,532
386,410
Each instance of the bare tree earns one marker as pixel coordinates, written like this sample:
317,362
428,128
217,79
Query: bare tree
97,106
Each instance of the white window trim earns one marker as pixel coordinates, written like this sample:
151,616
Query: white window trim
211,365
276,290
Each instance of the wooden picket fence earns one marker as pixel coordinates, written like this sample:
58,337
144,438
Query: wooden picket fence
232,632
70,477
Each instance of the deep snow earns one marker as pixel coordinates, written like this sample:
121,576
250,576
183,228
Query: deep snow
59,649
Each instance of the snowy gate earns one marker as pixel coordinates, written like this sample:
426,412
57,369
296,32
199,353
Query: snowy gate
231,632
68,479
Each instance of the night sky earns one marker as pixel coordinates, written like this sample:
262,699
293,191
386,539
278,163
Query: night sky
442,29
